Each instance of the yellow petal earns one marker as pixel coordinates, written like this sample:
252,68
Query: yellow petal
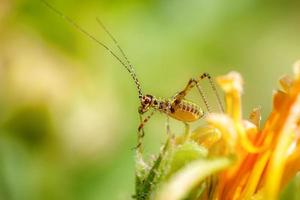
226,126
206,136
291,115
286,82
255,116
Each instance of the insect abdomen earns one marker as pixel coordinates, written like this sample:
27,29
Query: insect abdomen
186,111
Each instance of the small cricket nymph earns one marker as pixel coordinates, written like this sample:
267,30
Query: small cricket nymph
176,107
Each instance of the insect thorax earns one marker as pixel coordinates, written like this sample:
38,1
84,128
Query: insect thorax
163,105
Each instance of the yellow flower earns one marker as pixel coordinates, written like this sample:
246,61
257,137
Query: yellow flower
267,157
230,158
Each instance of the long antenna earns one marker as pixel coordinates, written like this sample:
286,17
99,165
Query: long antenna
75,25
122,52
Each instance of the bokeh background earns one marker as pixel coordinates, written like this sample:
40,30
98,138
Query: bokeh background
68,110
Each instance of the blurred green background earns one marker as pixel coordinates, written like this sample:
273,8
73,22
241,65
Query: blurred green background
68,110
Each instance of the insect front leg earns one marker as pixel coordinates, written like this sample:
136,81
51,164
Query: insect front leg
141,132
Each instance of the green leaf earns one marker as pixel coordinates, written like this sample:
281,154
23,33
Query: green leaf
292,190
186,179
182,155
146,179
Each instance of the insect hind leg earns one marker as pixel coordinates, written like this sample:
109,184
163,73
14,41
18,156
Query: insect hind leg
213,86
196,82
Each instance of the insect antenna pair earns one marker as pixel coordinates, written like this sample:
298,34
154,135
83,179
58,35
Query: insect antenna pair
176,107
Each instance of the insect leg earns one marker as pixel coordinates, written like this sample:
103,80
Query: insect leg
195,82
187,131
170,135
203,96
213,86
168,126
141,132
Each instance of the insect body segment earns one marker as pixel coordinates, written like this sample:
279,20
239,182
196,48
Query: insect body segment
186,111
